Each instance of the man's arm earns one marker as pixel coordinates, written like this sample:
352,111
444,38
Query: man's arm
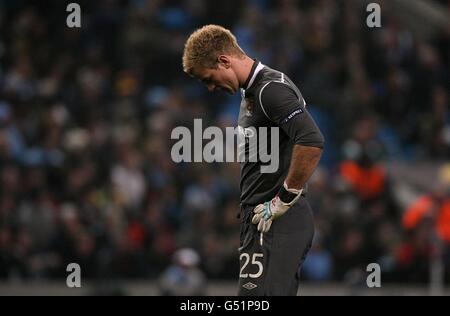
289,113
304,161
282,106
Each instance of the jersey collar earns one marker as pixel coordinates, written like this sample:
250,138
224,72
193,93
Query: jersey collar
256,68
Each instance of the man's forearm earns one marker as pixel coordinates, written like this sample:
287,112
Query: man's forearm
303,163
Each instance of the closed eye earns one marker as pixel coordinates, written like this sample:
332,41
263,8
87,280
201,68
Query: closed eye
206,80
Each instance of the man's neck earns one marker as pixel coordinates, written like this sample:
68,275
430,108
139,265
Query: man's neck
243,69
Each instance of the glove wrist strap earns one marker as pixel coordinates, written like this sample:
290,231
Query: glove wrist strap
289,196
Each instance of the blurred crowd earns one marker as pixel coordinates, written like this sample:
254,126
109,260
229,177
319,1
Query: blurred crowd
86,116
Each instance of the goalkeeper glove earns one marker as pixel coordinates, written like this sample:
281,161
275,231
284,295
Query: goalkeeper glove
266,213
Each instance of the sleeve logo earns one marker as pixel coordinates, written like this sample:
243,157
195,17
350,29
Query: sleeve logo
292,115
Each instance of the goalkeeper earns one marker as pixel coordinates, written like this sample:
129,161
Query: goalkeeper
277,224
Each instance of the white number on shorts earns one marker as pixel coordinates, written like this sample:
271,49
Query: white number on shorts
255,261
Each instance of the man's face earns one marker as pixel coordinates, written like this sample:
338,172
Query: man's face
221,78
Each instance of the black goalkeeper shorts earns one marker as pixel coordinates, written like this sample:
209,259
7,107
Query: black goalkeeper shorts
270,262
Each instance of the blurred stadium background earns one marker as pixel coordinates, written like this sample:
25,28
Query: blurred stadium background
86,116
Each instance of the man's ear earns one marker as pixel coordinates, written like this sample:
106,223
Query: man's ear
224,60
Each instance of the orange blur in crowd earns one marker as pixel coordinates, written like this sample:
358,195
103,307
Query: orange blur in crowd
423,207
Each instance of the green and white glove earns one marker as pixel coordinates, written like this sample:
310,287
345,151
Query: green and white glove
266,213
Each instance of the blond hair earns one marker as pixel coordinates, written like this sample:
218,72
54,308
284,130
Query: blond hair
205,45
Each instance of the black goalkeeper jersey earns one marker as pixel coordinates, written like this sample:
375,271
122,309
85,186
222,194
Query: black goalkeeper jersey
270,100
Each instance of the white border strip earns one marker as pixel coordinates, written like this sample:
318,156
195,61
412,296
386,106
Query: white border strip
257,70
260,100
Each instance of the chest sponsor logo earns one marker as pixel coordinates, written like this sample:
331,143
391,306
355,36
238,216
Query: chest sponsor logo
248,104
